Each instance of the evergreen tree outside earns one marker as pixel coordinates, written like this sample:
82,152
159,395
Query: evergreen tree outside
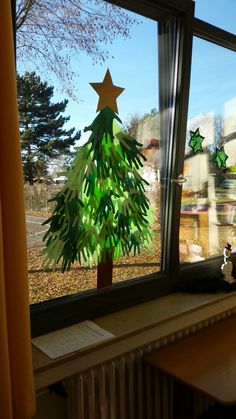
41,126
102,212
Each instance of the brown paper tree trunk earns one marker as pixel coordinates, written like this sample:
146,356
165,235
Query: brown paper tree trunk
104,274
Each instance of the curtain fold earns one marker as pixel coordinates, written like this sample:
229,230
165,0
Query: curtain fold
17,398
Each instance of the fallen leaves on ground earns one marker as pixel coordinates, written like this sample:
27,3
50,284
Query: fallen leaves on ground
49,284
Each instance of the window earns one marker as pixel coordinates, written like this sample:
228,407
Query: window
208,196
132,62
158,107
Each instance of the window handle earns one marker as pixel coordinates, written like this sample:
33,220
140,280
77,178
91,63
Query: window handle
179,180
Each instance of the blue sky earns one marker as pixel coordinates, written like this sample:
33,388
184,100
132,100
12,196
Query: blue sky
220,13
213,74
213,78
135,67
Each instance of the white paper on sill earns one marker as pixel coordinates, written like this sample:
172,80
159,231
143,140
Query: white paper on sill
70,339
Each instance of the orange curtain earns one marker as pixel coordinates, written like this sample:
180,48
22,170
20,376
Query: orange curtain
17,399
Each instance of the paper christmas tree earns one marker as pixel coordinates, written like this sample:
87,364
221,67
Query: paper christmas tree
102,212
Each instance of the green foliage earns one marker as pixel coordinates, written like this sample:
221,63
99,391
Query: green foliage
102,212
41,126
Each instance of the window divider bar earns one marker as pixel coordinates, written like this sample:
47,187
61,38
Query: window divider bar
145,8
212,33
151,9
177,109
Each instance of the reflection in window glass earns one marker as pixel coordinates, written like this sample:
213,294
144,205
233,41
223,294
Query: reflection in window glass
217,12
132,62
208,210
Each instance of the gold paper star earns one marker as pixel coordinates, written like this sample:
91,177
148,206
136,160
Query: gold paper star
107,93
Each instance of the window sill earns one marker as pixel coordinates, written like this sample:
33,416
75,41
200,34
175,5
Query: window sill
134,327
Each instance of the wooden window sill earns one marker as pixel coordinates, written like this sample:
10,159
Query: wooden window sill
135,327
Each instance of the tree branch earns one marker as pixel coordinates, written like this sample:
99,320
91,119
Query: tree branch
22,14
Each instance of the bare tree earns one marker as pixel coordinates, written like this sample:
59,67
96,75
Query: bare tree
51,32
131,125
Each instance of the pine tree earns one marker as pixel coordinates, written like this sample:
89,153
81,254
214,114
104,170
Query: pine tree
41,126
102,212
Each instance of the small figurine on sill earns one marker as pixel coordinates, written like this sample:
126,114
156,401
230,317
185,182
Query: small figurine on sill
227,266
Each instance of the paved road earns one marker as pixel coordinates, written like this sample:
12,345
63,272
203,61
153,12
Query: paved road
35,230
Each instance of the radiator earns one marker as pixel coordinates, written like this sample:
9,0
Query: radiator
124,388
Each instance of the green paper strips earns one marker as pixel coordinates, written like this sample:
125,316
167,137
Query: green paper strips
102,212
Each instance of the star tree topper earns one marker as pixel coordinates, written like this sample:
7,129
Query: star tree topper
196,140
220,157
107,92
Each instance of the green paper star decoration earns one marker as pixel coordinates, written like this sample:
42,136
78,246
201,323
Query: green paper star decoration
196,140
220,157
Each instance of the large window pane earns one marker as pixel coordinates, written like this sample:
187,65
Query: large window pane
132,62
208,212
